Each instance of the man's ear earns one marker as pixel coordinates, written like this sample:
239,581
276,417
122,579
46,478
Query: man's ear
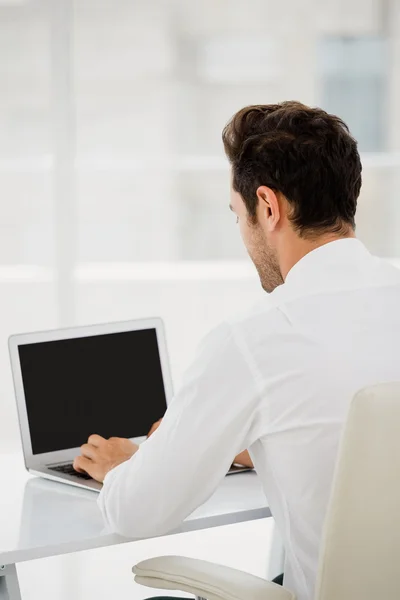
268,210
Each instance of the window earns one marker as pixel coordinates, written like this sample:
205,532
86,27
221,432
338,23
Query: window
354,84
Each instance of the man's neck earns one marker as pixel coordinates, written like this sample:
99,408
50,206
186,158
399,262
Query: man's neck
296,248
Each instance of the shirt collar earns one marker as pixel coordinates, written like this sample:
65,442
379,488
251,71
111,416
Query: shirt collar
338,252
339,265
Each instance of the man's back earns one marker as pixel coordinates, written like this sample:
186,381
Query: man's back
330,330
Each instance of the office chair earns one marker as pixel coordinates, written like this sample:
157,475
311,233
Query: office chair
360,549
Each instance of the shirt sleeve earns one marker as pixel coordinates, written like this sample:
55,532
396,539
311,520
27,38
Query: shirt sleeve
208,422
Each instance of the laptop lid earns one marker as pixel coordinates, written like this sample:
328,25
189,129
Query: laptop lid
111,379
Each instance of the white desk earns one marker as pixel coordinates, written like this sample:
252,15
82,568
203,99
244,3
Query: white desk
40,518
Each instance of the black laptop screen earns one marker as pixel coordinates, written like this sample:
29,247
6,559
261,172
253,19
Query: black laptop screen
108,384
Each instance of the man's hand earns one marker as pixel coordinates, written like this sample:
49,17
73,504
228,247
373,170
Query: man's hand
241,459
244,459
99,456
154,427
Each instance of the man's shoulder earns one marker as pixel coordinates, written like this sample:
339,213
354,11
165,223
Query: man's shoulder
263,313
253,318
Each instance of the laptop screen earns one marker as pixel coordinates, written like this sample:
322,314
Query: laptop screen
109,384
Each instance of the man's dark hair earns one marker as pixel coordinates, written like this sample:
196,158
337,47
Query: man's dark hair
303,153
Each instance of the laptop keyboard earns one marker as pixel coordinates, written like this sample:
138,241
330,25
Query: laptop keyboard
68,469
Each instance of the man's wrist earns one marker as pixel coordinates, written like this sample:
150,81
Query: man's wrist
117,463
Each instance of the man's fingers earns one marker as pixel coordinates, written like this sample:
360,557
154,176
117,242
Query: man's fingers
89,451
83,464
96,440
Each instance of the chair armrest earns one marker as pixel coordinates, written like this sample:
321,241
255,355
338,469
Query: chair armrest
205,579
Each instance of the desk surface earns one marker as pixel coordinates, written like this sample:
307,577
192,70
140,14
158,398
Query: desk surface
40,518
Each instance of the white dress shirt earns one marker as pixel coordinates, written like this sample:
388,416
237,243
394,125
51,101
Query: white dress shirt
276,380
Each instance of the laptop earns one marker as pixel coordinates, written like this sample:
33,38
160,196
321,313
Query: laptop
111,379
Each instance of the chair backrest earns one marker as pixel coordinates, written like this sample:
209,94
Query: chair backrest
360,552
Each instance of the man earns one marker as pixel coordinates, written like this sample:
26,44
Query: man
279,378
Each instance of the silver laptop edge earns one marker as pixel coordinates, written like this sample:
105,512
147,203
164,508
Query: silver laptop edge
38,464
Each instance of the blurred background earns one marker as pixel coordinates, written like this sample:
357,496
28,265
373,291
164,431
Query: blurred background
113,184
